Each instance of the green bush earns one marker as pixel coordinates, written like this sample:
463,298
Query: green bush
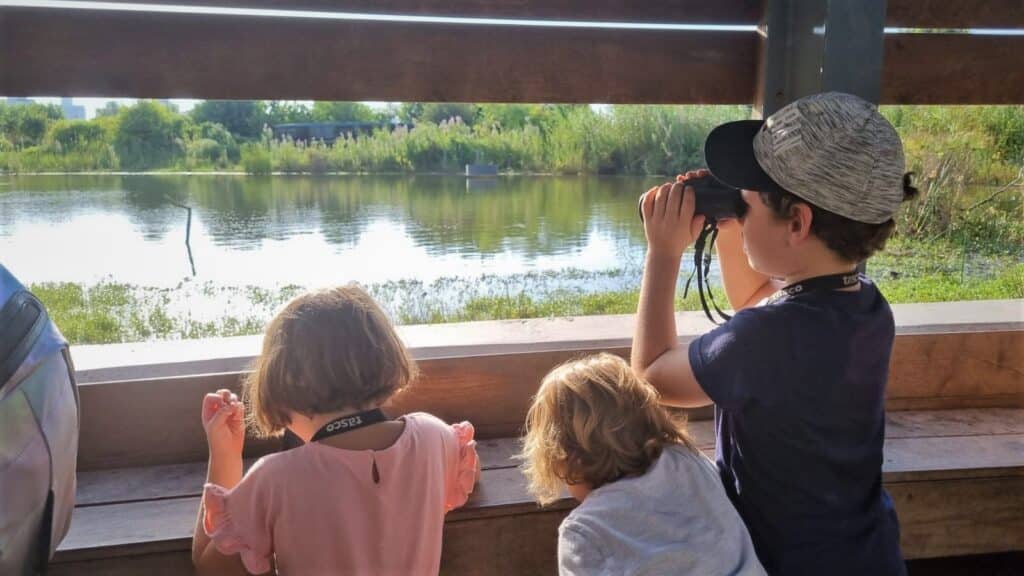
256,159
148,135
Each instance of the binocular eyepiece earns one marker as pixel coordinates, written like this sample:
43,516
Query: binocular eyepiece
714,200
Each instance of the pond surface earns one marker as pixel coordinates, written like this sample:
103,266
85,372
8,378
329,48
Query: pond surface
313,231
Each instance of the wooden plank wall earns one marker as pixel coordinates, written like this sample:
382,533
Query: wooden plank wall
944,14
1000,14
180,55
936,367
159,55
656,11
126,515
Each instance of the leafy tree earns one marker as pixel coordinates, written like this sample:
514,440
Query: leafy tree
212,142
243,118
438,112
386,115
25,125
147,136
410,112
111,108
511,116
74,134
342,112
283,112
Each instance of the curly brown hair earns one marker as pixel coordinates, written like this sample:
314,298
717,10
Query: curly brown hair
327,351
851,240
595,421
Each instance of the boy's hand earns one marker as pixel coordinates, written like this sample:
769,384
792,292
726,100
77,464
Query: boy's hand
224,423
669,223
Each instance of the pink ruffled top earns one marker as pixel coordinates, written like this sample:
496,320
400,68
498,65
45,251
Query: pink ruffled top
318,509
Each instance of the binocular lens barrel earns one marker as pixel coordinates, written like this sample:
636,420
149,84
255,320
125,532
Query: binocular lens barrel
715,200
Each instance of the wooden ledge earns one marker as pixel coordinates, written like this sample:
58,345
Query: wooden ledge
958,355
161,359
972,457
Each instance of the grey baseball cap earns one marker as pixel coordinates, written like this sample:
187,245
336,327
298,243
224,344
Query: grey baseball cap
833,150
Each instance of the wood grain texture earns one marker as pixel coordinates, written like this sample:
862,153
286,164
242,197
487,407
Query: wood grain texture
121,485
946,14
960,517
151,510
918,445
176,563
658,11
928,371
168,358
953,69
148,55
967,366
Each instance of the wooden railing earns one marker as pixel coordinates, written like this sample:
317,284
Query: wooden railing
962,355
954,453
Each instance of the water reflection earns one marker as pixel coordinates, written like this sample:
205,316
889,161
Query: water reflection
276,230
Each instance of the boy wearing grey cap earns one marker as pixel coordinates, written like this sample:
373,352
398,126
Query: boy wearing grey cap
798,374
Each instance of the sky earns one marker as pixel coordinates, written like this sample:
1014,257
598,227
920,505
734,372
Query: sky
183,105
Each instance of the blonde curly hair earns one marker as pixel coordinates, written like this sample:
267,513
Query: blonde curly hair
594,421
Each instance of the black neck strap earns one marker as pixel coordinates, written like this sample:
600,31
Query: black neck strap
830,282
349,423
702,250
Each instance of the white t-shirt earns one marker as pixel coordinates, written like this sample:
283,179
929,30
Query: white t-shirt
674,519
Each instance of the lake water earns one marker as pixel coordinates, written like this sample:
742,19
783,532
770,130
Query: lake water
312,231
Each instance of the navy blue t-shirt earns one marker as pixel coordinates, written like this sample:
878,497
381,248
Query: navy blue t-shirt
799,392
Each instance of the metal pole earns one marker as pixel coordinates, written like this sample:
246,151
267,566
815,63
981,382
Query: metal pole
812,46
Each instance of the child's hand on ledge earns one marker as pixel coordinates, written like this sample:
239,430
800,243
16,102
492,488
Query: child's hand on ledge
224,423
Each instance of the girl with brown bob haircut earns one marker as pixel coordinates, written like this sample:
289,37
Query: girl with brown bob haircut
650,502
330,361
326,351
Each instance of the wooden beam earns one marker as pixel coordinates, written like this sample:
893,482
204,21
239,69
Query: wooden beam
173,563
958,370
124,485
937,518
174,358
164,525
947,14
927,371
959,517
966,368
899,13
656,11
523,544
961,469
953,69
921,445
147,55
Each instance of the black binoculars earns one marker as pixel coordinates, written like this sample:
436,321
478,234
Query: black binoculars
714,200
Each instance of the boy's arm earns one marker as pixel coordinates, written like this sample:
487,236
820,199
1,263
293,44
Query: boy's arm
744,286
656,355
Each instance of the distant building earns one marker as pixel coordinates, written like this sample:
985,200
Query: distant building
328,132
16,101
72,111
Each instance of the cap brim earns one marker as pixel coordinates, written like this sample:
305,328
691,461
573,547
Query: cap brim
729,155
